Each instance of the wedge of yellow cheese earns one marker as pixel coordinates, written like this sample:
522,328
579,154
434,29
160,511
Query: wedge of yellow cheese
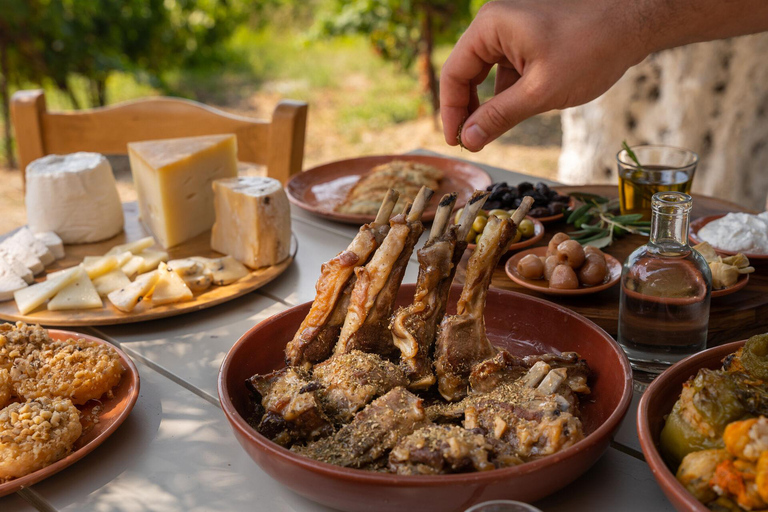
173,182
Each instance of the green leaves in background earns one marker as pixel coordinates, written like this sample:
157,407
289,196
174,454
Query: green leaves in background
608,226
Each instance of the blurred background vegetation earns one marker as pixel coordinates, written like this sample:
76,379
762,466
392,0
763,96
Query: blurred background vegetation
368,68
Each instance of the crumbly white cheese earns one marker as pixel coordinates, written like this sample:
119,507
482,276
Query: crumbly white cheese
75,196
738,232
52,242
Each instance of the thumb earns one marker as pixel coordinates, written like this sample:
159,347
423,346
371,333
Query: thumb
499,114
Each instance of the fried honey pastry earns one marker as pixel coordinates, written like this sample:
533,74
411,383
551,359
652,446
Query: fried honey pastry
6,387
20,340
77,369
36,434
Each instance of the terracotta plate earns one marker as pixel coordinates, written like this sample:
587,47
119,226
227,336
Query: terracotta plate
693,236
656,403
538,234
516,322
320,189
110,315
738,285
111,415
542,286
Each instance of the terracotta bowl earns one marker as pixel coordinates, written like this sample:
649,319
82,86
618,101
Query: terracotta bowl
693,237
521,324
656,403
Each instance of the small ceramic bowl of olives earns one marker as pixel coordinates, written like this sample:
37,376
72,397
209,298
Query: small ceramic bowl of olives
548,204
564,267
528,233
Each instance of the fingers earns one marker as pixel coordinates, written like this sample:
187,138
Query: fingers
500,113
506,76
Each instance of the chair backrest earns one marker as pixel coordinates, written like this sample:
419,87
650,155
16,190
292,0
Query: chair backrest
278,144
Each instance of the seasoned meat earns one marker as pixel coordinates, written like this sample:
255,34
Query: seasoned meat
374,431
292,407
443,449
350,381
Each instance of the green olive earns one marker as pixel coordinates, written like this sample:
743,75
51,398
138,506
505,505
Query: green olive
511,212
458,215
471,236
479,224
518,236
477,238
502,214
482,213
526,227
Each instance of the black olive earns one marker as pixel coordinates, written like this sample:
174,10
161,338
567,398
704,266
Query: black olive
507,199
561,199
496,195
491,205
542,188
517,201
524,187
541,211
556,207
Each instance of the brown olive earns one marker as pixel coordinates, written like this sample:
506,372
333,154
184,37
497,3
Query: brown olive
570,253
594,270
530,267
556,240
549,266
588,249
563,278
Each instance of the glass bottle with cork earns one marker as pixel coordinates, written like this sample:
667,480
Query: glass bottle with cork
665,292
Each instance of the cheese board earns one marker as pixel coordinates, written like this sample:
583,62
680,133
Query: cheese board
199,246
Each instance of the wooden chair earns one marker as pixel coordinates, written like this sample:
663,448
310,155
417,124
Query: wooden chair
278,144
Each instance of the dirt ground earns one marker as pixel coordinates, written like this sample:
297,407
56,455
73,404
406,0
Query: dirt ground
532,148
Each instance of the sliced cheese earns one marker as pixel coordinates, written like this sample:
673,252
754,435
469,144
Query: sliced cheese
10,282
195,275
75,196
12,249
173,183
111,281
170,288
25,237
79,294
134,247
100,266
126,298
17,267
52,242
151,259
225,270
132,266
253,220
27,299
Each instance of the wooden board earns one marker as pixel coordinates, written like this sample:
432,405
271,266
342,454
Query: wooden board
321,189
733,317
109,315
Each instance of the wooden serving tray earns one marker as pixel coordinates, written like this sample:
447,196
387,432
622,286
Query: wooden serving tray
732,317
110,315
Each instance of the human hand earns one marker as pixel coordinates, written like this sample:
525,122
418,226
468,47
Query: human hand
550,54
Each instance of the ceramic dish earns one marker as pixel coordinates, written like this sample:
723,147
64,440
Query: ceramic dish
542,286
320,189
110,315
519,323
693,236
656,403
538,234
112,414
738,285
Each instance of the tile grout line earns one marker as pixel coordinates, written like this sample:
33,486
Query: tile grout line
628,451
274,298
36,500
161,370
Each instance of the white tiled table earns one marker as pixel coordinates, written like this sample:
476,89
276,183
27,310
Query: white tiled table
176,451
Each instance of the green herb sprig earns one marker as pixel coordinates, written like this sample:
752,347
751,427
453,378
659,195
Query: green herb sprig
608,224
632,155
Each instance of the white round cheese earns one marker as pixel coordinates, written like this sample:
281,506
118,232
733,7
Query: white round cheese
75,196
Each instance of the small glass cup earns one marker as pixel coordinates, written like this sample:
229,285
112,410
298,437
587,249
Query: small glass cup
503,506
662,169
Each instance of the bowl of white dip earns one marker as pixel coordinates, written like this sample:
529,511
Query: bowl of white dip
733,233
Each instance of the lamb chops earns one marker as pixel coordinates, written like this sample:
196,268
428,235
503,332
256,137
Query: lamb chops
414,327
462,341
317,335
366,326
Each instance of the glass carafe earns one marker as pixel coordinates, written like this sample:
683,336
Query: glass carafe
665,292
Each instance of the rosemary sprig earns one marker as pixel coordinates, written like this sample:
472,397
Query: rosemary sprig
608,224
632,155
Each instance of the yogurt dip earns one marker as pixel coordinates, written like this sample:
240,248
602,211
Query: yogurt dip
738,232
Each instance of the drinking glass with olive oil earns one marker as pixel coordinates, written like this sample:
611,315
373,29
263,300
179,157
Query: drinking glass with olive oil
646,170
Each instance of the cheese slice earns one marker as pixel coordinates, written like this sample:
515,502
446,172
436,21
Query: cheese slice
195,275
17,267
111,281
22,253
25,237
52,242
132,266
122,258
151,259
225,270
27,299
134,247
126,298
10,282
79,294
75,196
100,266
253,220
173,183
170,288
